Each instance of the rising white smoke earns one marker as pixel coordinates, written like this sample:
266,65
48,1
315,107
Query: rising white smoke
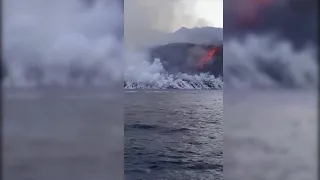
62,42
147,23
143,74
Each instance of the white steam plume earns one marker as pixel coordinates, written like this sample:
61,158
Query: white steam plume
62,42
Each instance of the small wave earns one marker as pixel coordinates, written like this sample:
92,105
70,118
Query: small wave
179,163
162,129
142,126
174,130
203,166
164,164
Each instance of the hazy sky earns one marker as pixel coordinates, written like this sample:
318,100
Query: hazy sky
209,10
146,20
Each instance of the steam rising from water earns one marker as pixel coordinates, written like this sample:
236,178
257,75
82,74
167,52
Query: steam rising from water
140,73
62,42
153,76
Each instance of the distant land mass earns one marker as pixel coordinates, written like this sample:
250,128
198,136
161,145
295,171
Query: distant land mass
187,46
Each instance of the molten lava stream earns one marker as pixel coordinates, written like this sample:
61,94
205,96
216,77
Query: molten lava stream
206,58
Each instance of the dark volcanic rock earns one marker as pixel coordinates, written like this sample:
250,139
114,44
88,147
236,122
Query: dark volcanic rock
183,58
185,47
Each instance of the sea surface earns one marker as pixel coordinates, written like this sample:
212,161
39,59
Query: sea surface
174,134
62,134
78,135
270,135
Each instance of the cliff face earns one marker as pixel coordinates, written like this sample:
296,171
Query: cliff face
183,58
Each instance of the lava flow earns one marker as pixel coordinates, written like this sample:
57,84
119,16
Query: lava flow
206,58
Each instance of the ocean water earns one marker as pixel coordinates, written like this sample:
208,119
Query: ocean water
175,134
270,135
62,134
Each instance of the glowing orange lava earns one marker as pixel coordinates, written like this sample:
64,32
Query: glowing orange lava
206,58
